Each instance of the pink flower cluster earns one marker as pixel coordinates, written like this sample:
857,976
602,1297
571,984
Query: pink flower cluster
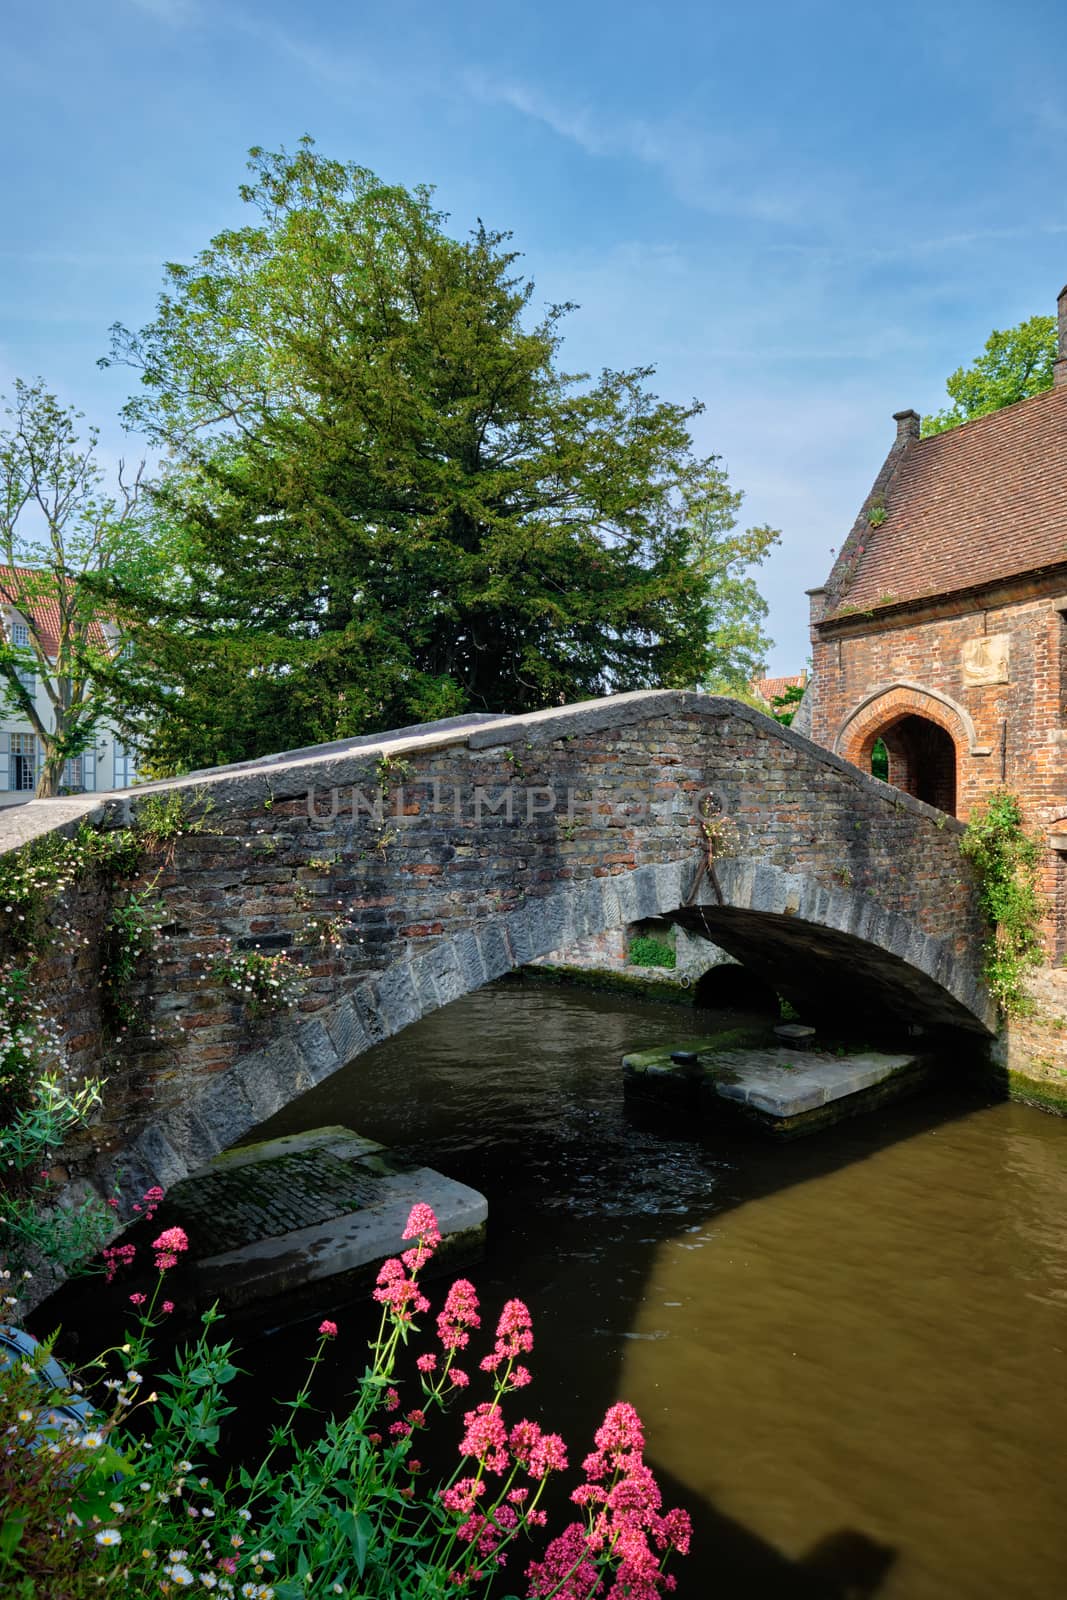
514,1337
622,1502
397,1287
150,1202
120,1255
168,1247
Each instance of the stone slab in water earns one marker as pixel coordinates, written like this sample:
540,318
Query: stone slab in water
268,1220
786,1092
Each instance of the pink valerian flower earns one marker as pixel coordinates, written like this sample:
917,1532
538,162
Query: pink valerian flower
417,1418
620,1432
460,1313
637,1492
167,1307
457,1376
137,1299
567,1572
328,1329
514,1337
486,1437
169,1246
400,1430
399,1292
675,1531
549,1454
522,1439
422,1225
427,1363
460,1497
620,1440
391,1401
118,1256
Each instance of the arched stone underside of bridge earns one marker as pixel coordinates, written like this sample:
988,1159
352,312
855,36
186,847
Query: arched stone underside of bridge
774,921
835,884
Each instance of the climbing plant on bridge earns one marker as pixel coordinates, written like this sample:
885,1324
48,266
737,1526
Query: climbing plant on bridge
42,1099
1006,859
388,502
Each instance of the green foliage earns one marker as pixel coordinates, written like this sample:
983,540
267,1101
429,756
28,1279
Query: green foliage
648,952
162,818
129,936
1006,860
40,1105
880,760
387,501
265,984
784,706
877,514
33,877
336,1506
61,535
1015,364
392,769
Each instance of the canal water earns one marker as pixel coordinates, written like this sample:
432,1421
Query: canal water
848,1352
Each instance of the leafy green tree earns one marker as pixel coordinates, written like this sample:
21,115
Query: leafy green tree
784,705
1015,364
59,531
390,502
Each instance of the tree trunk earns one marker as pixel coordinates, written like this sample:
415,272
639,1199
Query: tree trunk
48,782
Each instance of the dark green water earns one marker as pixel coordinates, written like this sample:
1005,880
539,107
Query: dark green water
848,1352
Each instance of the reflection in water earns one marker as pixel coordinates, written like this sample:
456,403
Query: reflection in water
846,1351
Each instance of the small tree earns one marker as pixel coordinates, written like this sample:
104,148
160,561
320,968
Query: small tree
58,531
1015,364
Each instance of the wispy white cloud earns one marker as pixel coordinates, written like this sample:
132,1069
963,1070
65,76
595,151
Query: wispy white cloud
716,174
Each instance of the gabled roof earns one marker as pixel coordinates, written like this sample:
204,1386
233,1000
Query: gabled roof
771,689
983,502
45,611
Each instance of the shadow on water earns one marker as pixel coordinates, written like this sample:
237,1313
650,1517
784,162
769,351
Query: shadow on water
758,1303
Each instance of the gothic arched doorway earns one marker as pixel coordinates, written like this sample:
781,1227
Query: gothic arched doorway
922,760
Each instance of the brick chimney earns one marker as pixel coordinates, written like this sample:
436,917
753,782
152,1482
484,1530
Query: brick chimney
908,422
1059,370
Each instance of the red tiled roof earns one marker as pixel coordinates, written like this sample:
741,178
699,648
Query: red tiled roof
771,689
45,611
983,502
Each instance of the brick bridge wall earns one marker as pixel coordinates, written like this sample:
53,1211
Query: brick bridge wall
831,872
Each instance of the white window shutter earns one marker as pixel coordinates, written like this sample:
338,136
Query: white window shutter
5,761
89,769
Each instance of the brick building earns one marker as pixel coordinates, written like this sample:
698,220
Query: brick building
942,628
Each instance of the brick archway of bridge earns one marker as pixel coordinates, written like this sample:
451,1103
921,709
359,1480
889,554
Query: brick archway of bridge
454,883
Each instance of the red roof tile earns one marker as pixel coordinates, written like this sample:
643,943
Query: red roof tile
770,689
18,580
983,502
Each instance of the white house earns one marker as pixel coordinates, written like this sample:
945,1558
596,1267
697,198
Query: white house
106,764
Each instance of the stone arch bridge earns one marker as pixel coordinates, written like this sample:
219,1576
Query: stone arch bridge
440,857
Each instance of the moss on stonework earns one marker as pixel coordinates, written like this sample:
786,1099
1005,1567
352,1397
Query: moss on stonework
1040,1092
662,989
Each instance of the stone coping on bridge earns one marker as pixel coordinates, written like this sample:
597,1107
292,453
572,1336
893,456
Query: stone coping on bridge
352,761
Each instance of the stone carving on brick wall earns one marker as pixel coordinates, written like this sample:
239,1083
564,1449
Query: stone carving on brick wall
985,660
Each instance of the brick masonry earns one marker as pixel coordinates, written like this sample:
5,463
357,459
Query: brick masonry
443,891
873,669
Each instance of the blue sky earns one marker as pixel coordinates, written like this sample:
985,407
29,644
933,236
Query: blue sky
806,214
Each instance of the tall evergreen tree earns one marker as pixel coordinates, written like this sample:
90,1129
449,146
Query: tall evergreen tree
389,504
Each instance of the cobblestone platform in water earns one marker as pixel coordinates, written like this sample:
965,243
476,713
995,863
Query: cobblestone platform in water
788,1092
271,1219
